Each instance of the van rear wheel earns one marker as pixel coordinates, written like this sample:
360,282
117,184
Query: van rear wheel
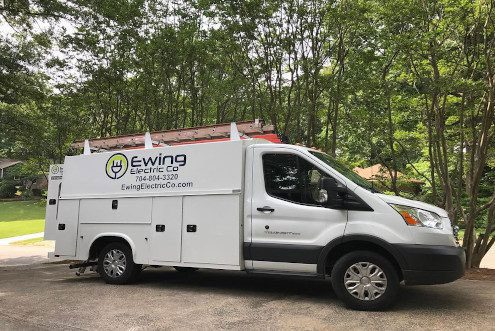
365,280
116,265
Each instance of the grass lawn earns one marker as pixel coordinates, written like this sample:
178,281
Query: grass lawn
21,217
28,242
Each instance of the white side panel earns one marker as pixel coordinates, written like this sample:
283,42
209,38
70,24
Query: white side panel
129,210
178,170
68,212
216,239
166,245
54,183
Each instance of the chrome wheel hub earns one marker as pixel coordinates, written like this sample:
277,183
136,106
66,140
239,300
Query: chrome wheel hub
114,263
365,281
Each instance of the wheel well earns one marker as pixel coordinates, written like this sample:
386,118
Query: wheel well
101,242
347,247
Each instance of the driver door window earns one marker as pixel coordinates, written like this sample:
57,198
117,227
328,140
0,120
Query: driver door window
290,177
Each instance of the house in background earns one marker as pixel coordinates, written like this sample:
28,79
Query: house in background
380,175
5,164
35,184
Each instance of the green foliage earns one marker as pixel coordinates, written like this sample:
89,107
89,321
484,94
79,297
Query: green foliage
21,211
21,217
28,242
402,83
19,228
8,188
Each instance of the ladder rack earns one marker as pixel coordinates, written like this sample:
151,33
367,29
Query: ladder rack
208,133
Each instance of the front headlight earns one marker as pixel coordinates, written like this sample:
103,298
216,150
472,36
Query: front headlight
419,217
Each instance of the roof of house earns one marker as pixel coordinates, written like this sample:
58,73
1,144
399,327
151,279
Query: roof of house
379,172
5,163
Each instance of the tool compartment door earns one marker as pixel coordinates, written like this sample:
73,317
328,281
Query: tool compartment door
54,186
67,226
211,229
166,224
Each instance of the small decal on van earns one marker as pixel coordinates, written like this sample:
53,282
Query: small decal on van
285,233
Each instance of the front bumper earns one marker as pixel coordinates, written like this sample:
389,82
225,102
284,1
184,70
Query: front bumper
431,264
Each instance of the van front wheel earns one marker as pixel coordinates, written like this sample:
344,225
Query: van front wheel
365,280
116,265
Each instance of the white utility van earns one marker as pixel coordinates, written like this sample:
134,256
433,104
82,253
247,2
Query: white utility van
246,205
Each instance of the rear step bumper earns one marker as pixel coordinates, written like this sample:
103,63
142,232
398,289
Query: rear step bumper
83,264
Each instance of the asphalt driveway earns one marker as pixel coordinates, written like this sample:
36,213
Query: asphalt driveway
51,297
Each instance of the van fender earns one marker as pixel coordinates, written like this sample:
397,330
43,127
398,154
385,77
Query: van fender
119,235
334,244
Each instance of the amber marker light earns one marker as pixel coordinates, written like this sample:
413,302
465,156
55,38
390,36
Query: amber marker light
408,218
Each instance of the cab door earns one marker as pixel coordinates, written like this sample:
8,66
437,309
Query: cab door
289,227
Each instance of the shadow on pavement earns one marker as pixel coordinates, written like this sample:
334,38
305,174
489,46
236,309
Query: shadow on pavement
414,299
22,260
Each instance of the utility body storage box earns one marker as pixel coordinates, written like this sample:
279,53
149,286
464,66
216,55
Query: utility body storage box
160,199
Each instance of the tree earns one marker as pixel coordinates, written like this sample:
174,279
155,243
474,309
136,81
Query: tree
408,84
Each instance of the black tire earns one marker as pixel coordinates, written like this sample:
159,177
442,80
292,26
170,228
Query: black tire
185,269
383,300
130,272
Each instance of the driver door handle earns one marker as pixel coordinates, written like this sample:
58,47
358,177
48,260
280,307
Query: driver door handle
265,209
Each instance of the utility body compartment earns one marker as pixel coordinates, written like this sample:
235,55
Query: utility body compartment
159,200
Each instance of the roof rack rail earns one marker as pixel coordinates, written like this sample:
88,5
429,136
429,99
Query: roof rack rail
200,134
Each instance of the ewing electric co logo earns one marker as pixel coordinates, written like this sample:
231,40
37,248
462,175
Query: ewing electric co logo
116,166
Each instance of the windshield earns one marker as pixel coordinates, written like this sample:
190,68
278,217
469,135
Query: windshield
344,171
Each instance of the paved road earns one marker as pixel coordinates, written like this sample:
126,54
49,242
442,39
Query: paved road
13,255
51,297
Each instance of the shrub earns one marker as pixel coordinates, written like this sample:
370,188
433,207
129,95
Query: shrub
26,194
37,192
8,188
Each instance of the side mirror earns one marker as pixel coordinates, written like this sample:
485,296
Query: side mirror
333,191
322,196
